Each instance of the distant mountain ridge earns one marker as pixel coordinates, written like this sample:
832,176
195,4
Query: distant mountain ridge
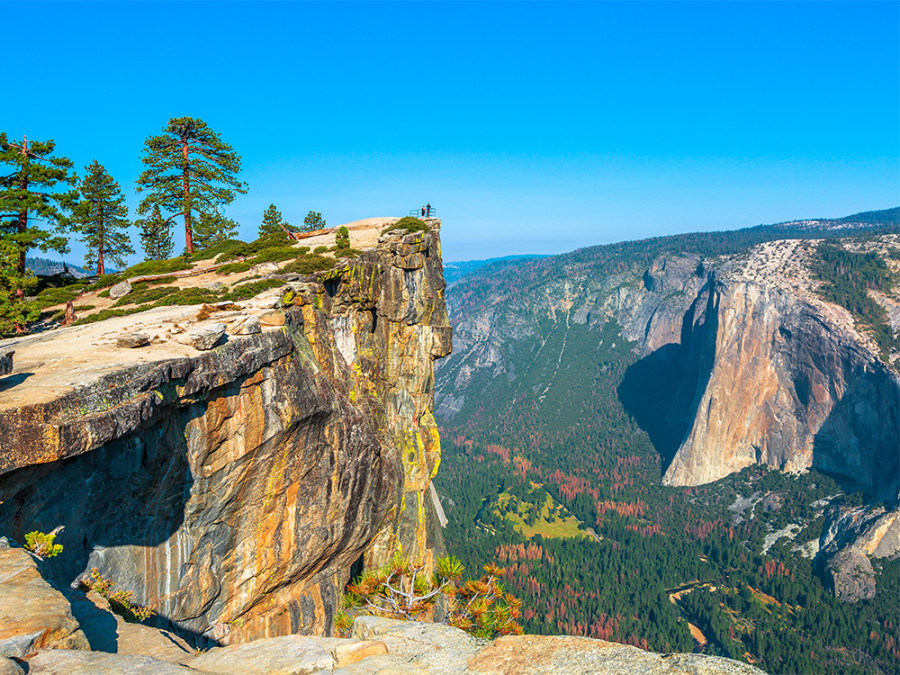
454,271
45,267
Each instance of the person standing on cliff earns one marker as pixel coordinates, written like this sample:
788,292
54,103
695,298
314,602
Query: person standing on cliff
423,211
428,210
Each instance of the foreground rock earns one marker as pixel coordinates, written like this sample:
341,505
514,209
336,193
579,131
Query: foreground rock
404,648
132,340
206,337
6,361
33,615
435,649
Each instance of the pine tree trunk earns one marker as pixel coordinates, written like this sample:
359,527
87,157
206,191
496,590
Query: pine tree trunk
101,268
188,234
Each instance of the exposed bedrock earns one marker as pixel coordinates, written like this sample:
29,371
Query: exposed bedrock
232,491
769,379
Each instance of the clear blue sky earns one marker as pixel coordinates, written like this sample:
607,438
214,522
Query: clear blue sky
532,127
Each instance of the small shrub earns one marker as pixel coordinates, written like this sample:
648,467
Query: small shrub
105,281
225,247
320,249
188,296
120,602
110,313
57,296
402,590
145,295
409,224
151,267
347,253
42,544
342,238
308,264
245,291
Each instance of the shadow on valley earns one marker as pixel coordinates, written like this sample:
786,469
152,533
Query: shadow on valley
649,392
129,493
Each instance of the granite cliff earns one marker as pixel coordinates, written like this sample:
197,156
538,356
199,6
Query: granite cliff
232,489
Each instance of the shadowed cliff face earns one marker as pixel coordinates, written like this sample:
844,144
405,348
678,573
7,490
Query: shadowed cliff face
233,491
787,388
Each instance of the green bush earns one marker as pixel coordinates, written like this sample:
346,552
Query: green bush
42,544
225,247
57,296
308,264
145,295
188,296
151,267
245,291
120,602
105,281
110,313
409,224
320,249
342,238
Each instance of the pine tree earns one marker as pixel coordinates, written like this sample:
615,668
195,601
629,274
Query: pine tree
313,221
272,222
29,175
156,236
101,218
29,188
212,229
189,170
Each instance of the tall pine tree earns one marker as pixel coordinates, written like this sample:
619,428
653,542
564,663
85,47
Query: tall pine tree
189,169
156,236
272,222
101,218
29,198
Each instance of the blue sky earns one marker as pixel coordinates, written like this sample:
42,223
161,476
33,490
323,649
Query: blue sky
532,127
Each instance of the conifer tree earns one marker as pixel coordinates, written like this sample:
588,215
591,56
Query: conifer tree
213,228
189,170
156,236
313,221
29,199
101,218
272,222
28,187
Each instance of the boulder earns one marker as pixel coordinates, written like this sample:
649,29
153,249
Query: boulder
287,655
33,615
120,290
215,286
244,324
132,340
272,318
204,338
6,361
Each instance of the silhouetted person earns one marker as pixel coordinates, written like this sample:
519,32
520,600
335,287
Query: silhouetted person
423,211
428,211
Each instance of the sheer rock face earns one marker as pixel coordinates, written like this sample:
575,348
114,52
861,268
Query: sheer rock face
233,490
778,383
